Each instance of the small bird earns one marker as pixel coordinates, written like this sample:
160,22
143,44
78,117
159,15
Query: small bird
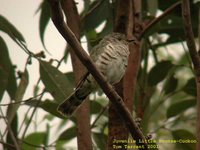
111,58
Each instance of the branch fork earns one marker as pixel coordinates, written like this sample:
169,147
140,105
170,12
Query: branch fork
57,18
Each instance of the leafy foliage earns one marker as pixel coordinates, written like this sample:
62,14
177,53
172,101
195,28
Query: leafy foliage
166,90
44,19
55,81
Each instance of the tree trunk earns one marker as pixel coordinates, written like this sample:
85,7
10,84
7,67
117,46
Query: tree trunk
124,23
82,115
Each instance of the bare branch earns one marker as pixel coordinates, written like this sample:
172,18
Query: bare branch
10,131
156,20
57,18
22,101
8,145
99,116
37,146
32,114
84,139
189,35
124,23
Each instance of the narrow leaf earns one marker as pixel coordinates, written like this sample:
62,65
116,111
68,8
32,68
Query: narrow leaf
44,19
10,29
68,134
170,85
101,10
100,140
184,136
7,77
190,87
180,107
3,81
12,83
70,77
159,72
55,81
13,33
153,7
48,106
36,139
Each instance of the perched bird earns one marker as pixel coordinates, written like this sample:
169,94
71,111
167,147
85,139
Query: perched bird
111,58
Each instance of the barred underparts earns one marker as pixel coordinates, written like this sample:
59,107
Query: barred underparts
111,58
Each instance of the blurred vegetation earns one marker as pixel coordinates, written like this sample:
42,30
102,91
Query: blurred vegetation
166,92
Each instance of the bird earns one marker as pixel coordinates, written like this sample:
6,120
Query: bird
110,56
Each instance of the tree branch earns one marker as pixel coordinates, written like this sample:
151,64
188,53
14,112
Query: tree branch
82,115
156,20
189,35
17,147
124,23
57,18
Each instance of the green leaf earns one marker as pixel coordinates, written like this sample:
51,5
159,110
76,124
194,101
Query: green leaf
100,139
152,6
101,10
13,33
70,77
12,83
159,72
3,82
55,81
184,135
190,87
172,24
10,29
36,139
7,72
170,85
107,29
68,134
60,145
44,19
46,137
48,106
167,4
180,107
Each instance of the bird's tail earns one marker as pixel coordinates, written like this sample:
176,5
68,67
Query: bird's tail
70,105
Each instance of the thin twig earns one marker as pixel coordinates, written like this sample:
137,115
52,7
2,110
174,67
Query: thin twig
31,117
91,10
187,56
22,101
156,20
10,131
58,20
100,114
36,146
189,36
8,145
24,120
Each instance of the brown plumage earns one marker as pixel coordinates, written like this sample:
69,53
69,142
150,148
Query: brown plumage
111,58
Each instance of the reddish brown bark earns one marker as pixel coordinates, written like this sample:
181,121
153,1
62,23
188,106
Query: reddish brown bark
82,115
125,23
123,112
189,36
